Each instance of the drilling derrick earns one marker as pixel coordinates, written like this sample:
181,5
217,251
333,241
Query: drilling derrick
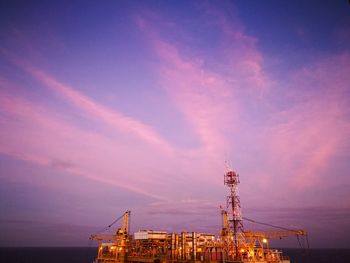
231,179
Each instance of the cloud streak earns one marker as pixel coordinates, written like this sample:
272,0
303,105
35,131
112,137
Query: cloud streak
92,108
208,99
306,136
45,134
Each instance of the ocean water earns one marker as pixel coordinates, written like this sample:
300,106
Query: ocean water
87,255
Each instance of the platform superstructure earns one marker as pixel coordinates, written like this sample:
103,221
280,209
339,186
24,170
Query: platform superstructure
233,244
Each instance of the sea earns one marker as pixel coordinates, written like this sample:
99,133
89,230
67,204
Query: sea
87,255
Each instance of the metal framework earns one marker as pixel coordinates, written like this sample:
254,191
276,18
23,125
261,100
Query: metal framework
231,179
232,245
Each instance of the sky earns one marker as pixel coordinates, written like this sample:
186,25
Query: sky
140,105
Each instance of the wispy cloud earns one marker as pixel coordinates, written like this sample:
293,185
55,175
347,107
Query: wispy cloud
244,62
305,137
91,107
200,95
208,98
45,133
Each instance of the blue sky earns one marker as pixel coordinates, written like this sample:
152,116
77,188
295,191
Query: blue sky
136,106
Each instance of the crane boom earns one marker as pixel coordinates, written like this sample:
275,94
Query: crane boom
274,234
121,233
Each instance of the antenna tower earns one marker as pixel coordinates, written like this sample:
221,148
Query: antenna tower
231,179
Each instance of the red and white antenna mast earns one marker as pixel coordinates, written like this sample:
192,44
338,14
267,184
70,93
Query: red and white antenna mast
231,179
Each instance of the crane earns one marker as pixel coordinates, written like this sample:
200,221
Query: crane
121,232
113,247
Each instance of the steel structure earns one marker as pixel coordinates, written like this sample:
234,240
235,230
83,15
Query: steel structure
232,245
231,179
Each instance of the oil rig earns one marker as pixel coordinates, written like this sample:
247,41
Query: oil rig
233,244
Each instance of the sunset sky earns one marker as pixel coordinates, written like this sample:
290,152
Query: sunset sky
111,106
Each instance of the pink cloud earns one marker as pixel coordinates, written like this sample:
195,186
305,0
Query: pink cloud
206,98
210,99
244,60
49,141
195,92
37,134
303,143
305,137
93,108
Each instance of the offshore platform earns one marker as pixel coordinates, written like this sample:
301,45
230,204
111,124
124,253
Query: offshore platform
233,244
